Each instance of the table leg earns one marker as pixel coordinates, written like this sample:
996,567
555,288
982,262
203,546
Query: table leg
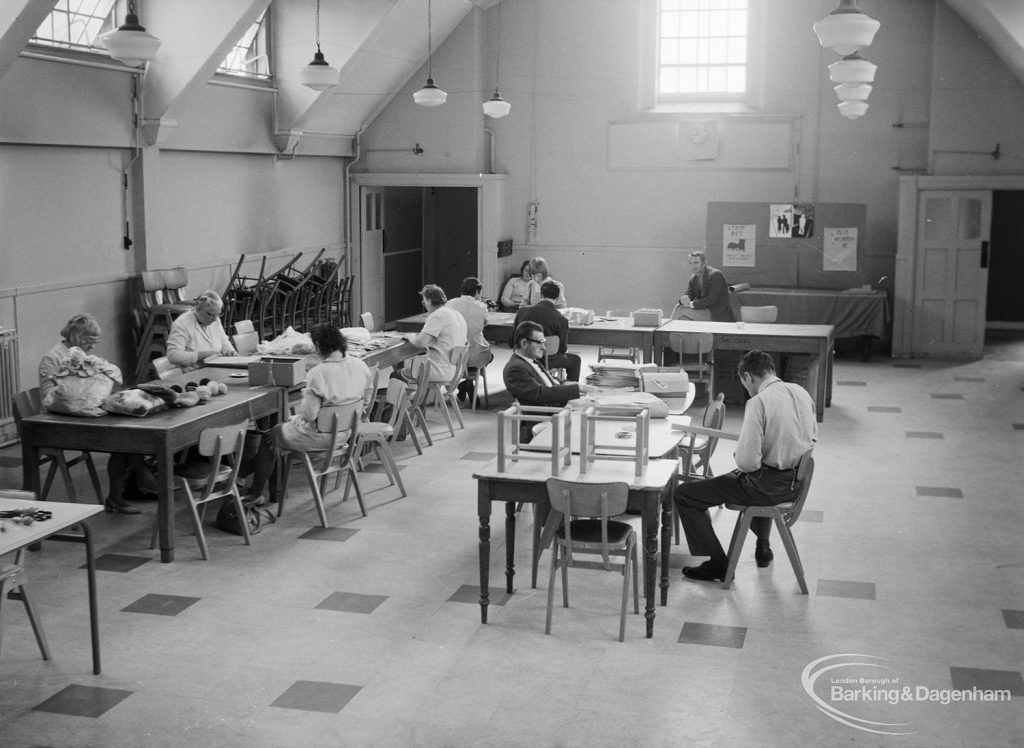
649,528
29,468
165,506
510,551
484,510
94,620
666,539
541,537
830,358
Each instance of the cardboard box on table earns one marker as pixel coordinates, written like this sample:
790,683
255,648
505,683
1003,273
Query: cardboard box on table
283,371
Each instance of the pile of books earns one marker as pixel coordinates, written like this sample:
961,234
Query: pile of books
618,375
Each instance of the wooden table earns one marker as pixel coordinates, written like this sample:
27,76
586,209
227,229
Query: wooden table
816,340
159,435
609,331
65,516
525,482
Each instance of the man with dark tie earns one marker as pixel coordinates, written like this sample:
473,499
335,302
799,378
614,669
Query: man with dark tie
707,294
545,313
529,382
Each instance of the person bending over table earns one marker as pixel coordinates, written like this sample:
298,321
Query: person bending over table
517,289
442,333
198,334
338,380
552,322
778,428
474,311
83,331
707,294
539,274
527,379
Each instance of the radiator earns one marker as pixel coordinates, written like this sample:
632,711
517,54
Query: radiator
8,385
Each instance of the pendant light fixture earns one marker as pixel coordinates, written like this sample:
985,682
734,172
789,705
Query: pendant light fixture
430,95
318,75
496,107
846,29
130,43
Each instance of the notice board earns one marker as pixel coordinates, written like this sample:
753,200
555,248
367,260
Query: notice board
787,261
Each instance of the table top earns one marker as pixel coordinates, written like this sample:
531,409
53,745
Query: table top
749,328
655,476
505,319
663,439
778,291
15,536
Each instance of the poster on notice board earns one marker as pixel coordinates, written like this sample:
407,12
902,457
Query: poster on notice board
739,245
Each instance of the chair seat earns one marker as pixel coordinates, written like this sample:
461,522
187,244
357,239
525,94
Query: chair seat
786,506
375,428
199,471
589,531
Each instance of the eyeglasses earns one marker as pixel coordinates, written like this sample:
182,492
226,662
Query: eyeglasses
542,341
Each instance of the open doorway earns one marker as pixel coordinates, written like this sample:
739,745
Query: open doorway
1006,262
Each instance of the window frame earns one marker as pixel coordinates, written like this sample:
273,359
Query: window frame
263,36
93,52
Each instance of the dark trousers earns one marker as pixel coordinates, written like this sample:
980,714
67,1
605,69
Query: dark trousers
765,487
568,361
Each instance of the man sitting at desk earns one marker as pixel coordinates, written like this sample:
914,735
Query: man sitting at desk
707,294
198,335
529,382
474,311
443,332
552,322
778,427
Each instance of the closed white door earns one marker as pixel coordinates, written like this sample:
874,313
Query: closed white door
951,273
371,227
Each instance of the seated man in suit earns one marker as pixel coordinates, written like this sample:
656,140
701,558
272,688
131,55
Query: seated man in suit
707,294
552,322
529,382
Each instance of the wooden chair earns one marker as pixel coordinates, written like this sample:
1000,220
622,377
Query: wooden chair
551,348
696,451
28,403
445,392
696,357
479,373
206,481
759,313
175,280
342,423
784,515
378,435
366,320
414,414
588,528
164,368
13,576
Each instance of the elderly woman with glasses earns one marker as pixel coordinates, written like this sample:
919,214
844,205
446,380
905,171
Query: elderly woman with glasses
83,331
198,335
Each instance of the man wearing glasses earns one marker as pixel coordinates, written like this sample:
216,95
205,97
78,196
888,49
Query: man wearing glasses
198,335
529,382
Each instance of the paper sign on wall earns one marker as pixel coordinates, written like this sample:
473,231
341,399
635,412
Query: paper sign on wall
840,249
738,245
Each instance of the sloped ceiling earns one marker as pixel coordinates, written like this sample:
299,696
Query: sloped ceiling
377,44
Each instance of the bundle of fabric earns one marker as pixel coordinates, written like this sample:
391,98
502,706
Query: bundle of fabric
83,382
153,397
288,343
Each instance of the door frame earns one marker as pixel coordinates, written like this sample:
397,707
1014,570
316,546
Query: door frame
904,292
492,223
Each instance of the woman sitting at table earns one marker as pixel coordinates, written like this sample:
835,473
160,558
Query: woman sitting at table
338,380
539,273
83,331
517,289
198,335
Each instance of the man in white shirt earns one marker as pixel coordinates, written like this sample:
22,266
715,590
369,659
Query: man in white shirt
474,311
779,426
198,335
442,333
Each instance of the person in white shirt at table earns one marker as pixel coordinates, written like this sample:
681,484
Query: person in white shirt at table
442,333
517,289
198,335
474,311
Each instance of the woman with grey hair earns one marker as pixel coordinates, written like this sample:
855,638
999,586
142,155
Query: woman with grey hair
83,331
198,335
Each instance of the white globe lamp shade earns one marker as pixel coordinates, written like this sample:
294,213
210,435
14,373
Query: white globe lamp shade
852,109
852,70
846,29
496,107
853,93
318,75
131,43
430,95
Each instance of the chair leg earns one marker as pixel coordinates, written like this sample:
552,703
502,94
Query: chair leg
286,468
353,480
48,483
625,596
441,402
551,586
455,406
65,474
791,551
19,592
739,534
421,418
314,485
197,523
410,429
390,466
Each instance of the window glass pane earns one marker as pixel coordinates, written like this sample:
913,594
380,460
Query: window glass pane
718,51
970,218
937,218
249,57
688,51
709,39
77,25
670,52
736,77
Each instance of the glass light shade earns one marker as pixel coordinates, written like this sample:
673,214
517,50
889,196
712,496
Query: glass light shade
130,43
846,29
852,109
430,95
318,75
853,93
852,70
496,107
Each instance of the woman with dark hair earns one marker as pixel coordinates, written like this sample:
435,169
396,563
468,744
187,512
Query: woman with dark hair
517,289
337,380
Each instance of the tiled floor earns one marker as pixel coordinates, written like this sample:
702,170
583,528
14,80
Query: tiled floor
368,633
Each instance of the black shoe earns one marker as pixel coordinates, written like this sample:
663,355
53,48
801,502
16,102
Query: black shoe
708,571
763,556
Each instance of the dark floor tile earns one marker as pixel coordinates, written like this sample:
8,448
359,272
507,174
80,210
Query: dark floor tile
336,534
351,602
884,409
924,435
317,696
470,593
901,365
946,396
945,493
9,462
1014,619
479,456
969,379
83,701
812,515
843,588
967,678
1018,427
842,383
161,605
713,635
117,562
